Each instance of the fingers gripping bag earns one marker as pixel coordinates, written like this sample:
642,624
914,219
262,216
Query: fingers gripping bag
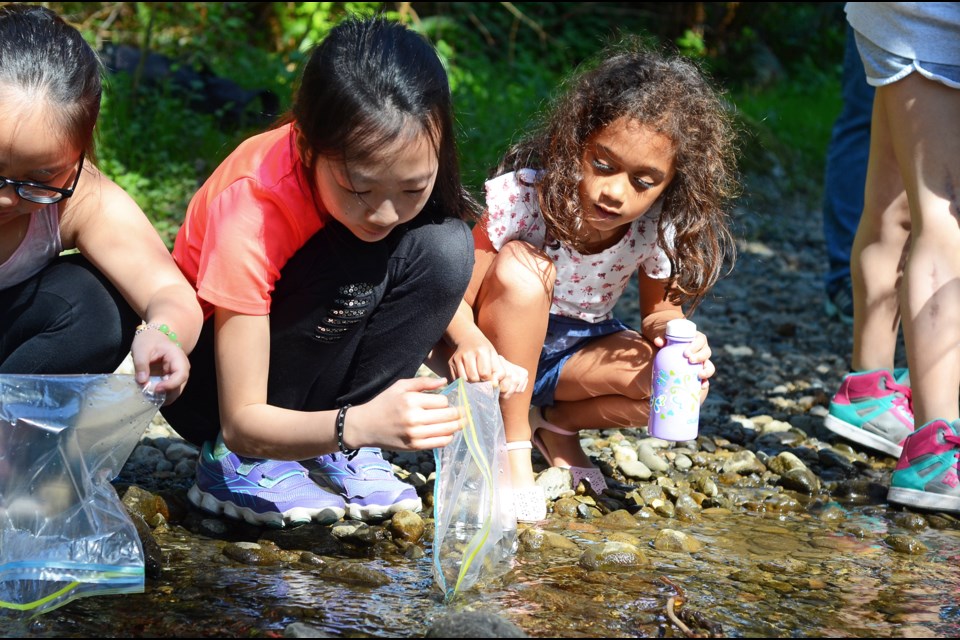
475,525
64,533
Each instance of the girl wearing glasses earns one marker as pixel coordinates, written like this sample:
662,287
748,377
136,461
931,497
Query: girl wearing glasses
76,313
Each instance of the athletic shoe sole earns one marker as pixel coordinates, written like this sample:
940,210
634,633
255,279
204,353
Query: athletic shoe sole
923,499
858,435
380,512
295,516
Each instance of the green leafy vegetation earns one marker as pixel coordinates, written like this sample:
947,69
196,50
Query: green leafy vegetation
505,62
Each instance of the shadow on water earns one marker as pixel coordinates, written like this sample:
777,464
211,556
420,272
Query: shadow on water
757,575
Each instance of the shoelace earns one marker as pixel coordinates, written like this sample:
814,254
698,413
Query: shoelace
900,390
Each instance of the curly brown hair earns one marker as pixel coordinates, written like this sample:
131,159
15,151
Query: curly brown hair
674,96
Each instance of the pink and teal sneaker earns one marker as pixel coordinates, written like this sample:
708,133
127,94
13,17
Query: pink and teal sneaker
926,474
873,408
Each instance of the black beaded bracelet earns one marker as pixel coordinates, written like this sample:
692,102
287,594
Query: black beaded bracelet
341,418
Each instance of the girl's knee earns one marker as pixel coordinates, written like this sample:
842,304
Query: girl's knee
443,253
522,270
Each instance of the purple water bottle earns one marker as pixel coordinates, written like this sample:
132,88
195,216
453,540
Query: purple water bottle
675,402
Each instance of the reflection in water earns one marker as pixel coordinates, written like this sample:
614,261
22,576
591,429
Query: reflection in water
756,576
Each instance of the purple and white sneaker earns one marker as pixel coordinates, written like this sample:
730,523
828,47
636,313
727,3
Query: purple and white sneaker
366,482
262,492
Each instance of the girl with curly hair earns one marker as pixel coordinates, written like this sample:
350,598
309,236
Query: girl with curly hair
630,171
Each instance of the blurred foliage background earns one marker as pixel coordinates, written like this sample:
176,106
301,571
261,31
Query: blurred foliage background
219,71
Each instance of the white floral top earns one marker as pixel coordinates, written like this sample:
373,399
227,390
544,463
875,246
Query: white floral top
588,285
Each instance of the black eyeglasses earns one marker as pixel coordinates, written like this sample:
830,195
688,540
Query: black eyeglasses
41,193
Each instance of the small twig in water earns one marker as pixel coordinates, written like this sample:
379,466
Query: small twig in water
677,621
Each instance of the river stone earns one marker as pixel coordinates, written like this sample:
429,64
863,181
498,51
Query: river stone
635,469
350,530
802,480
152,553
743,462
610,556
179,450
145,504
555,482
905,544
784,565
626,538
566,507
354,573
302,630
407,526
909,520
672,540
474,624
682,462
146,456
252,553
833,513
785,461
624,453
649,457
620,519
532,539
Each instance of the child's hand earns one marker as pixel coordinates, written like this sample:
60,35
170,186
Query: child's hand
404,417
698,351
479,361
154,354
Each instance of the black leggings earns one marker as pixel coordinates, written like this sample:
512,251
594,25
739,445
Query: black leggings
67,319
348,318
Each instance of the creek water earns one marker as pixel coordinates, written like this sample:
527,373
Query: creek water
825,571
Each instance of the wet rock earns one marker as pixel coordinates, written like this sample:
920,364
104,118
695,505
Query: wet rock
252,553
302,630
743,463
354,573
621,519
802,480
407,526
474,624
784,462
359,533
909,520
567,507
610,556
905,544
785,565
532,539
152,554
672,540
144,503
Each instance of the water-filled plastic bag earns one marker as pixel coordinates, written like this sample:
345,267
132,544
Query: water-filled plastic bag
475,524
63,531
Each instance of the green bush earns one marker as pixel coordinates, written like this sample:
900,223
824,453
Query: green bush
505,62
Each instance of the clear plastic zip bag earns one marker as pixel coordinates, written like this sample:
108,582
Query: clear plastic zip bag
64,533
475,524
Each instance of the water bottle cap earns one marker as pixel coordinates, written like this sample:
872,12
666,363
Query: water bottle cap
682,329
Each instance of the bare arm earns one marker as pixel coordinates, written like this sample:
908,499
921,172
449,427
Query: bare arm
113,233
469,353
656,312
401,417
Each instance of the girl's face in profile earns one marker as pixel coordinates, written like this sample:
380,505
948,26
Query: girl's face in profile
373,197
626,167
